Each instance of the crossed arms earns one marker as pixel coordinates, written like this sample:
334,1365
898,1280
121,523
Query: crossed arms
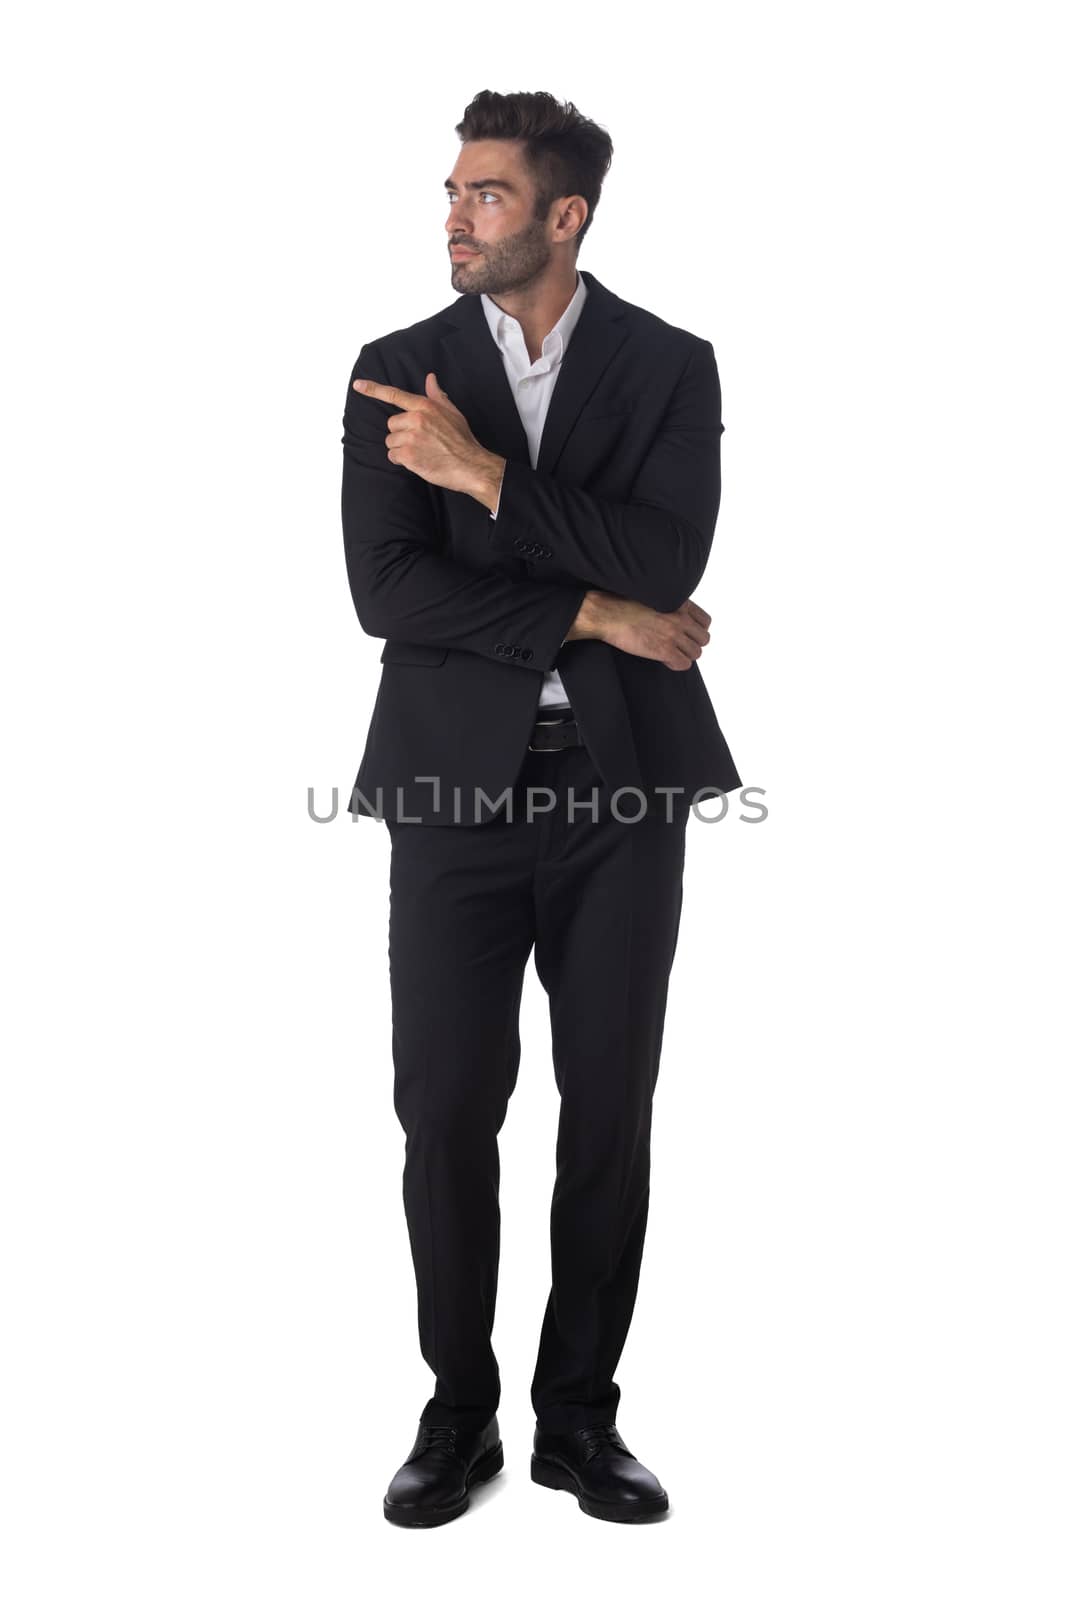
641,558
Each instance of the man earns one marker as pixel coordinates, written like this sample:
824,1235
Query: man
530,489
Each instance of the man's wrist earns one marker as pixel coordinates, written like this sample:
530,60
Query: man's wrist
487,478
594,617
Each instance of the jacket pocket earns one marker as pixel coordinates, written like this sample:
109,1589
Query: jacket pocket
413,655
621,408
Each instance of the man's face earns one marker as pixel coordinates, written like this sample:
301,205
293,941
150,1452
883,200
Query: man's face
494,220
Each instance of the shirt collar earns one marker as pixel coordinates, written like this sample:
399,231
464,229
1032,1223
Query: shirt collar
502,325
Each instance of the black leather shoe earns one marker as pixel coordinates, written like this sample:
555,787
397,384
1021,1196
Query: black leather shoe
594,1465
432,1485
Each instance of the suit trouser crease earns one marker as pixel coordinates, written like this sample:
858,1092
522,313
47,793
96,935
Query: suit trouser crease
599,905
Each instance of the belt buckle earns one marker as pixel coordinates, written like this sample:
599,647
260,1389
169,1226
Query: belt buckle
548,722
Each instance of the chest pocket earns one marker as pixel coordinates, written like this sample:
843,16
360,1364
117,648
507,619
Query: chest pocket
621,408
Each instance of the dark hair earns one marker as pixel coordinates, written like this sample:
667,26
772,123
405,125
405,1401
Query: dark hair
565,152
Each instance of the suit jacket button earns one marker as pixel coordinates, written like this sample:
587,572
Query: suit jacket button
500,649
526,654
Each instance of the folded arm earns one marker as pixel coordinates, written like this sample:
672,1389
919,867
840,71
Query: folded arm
652,547
403,585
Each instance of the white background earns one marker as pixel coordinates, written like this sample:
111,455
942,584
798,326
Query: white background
846,1362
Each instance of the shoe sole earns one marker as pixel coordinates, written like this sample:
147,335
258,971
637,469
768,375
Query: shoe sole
485,1467
553,1476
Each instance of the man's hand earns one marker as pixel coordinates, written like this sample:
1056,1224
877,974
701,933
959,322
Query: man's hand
430,437
674,637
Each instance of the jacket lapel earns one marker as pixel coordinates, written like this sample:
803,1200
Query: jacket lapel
473,374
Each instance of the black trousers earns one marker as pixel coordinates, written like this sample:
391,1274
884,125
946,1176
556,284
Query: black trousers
599,904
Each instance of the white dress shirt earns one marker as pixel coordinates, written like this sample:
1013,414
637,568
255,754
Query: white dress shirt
532,384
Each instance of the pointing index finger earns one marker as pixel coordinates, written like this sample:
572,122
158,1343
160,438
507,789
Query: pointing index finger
386,392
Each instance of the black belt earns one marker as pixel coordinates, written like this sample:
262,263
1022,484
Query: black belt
557,730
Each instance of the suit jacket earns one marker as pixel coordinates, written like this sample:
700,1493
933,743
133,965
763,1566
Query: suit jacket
474,610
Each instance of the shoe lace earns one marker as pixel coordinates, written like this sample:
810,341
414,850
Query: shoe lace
439,1436
598,1434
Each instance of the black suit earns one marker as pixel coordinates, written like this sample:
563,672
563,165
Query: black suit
624,498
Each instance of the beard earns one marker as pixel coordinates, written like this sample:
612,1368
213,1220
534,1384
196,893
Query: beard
501,268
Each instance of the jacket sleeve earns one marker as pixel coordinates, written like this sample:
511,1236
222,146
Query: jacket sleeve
652,547
403,585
